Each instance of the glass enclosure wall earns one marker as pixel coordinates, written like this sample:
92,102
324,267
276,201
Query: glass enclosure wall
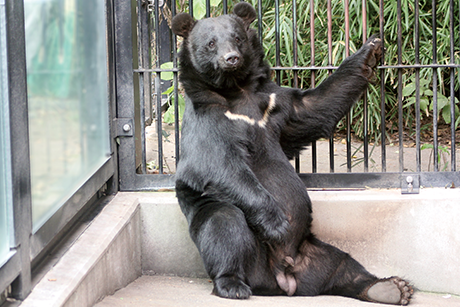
5,200
67,95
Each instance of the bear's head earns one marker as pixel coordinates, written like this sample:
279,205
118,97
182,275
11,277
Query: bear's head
220,49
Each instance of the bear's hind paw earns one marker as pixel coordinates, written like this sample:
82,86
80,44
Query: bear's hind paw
231,287
393,290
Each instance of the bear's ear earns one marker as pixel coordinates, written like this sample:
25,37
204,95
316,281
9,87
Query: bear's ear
246,12
182,24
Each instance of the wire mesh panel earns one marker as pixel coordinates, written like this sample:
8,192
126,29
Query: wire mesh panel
402,133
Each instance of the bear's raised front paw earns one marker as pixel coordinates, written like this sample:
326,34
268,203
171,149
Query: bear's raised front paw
393,290
374,47
231,287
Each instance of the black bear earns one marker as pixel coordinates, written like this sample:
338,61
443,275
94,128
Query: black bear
249,213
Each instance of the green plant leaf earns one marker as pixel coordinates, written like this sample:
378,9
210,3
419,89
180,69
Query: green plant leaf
446,114
408,89
215,2
168,116
169,90
424,103
199,9
426,146
168,75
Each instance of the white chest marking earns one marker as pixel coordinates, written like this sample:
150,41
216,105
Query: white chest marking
261,123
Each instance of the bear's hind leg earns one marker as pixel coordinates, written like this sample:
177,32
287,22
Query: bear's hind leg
230,252
321,268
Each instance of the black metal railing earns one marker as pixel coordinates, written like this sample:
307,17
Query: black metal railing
346,173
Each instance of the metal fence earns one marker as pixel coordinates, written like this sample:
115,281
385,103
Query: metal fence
401,135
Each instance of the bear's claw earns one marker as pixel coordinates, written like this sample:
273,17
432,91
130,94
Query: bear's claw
374,47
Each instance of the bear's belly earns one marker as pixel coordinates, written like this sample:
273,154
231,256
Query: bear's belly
281,180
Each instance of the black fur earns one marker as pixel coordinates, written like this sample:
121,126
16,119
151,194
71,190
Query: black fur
248,211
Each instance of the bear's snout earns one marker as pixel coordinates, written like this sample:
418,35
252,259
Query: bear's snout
231,60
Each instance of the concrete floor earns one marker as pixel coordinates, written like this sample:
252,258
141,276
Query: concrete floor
164,291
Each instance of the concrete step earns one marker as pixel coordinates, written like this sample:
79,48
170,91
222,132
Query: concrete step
413,236
164,291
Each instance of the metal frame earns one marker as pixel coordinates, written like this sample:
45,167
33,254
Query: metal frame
28,247
129,95
408,181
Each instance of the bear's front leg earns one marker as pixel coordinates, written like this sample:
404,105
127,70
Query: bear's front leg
317,111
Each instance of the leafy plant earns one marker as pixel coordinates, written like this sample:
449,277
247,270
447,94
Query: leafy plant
442,150
325,55
169,115
333,55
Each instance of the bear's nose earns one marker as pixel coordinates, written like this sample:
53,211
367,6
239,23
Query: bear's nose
232,58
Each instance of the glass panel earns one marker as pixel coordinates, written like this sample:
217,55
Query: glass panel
5,163
67,90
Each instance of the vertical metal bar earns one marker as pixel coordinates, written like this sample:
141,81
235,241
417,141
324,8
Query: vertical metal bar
453,160
158,92
417,88
382,92
225,6
20,161
176,90
365,102
259,20
314,158
295,61
140,51
329,52
125,91
19,137
208,8
190,7
277,41
400,115
142,123
435,88
347,53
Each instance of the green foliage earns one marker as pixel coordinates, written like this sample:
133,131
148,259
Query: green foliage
324,55
169,115
338,51
442,150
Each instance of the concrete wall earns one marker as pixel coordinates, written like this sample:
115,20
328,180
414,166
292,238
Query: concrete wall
414,236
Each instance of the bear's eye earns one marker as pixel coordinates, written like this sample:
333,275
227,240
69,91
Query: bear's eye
237,40
211,44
